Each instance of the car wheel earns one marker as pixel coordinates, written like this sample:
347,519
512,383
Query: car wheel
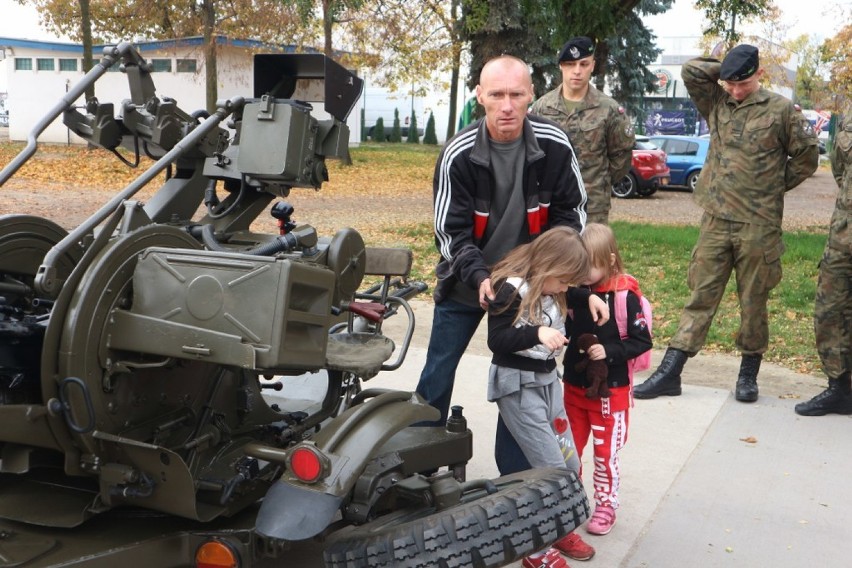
692,180
626,187
491,526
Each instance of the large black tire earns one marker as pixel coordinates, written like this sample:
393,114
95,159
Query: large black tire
530,511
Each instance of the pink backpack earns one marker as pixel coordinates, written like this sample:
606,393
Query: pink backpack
643,361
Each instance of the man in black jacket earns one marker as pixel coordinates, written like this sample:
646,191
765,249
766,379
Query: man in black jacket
498,183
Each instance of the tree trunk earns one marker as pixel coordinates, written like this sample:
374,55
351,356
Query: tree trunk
211,79
601,58
86,29
454,95
456,66
327,23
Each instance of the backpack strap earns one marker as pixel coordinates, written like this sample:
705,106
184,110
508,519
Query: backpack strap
621,312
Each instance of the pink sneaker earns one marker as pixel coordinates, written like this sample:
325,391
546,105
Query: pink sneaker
602,520
549,559
572,546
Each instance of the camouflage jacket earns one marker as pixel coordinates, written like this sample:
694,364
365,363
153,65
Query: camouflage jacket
840,236
759,148
602,136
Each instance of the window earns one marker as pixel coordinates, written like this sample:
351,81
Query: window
186,66
43,64
161,65
681,148
67,64
23,64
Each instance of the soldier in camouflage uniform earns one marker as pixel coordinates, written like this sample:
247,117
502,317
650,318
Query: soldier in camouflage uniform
599,129
761,146
833,306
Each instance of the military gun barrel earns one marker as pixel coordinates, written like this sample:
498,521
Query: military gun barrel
111,55
45,283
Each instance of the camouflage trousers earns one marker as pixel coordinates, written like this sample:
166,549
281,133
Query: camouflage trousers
833,311
753,252
601,217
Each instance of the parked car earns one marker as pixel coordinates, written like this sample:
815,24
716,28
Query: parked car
685,157
648,171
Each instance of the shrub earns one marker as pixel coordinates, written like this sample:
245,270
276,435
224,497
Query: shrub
429,137
379,130
396,132
413,136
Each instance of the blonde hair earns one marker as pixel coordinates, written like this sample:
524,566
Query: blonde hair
602,247
558,253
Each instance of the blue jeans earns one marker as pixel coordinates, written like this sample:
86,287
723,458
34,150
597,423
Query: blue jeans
507,453
453,326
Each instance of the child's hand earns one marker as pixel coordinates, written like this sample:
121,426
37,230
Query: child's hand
597,352
599,309
551,338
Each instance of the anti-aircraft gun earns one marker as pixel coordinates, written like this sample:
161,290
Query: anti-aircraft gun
136,424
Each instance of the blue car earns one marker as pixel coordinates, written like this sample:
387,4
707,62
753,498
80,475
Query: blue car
685,157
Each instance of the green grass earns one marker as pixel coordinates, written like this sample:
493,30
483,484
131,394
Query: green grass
658,256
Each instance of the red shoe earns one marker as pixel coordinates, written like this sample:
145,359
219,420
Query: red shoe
572,546
549,559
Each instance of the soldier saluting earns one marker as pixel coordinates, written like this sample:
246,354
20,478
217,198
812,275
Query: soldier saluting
761,147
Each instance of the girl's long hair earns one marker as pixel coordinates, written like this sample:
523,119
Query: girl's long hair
603,248
558,252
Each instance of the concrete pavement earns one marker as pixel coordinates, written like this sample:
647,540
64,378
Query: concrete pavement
707,481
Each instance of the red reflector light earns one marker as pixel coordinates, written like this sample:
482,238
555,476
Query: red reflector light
305,464
215,554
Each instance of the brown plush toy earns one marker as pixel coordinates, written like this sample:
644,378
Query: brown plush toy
596,371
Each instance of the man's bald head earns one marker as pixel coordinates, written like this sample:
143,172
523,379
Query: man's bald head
505,91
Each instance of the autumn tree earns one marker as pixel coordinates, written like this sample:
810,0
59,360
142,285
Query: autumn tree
535,31
403,44
268,21
722,15
835,53
632,49
496,27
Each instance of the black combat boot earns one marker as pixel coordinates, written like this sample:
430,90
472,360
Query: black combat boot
746,390
836,399
665,381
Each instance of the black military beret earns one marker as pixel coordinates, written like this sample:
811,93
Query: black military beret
740,63
576,48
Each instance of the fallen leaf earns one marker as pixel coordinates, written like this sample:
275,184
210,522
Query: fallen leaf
749,440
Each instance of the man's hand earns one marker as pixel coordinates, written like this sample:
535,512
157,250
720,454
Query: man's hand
599,309
486,293
551,338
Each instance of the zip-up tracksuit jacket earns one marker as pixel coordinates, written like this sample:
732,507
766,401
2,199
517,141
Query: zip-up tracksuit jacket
553,193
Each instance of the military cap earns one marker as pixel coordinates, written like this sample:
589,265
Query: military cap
576,48
740,63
